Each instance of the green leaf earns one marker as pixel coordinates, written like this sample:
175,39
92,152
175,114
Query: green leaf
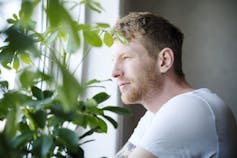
23,127
121,38
92,120
6,149
103,25
11,21
108,39
111,120
60,20
26,12
38,104
91,107
32,24
97,4
78,153
32,124
55,12
6,53
16,63
68,138
96,30
83,27
11,125
96,122
69,91
59,112
25,58
45,77
102,126
37,93
54,122
89,132
48,93
15,17
91,102
4,107
73,42
42,146
90,82
13,99
27,8
21,140
4,84
39,118
93,7
80,120
18,41
92,38
101,97
118,110
82,2
81,106
27,78
6,65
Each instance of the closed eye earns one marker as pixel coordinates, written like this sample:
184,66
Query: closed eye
126,57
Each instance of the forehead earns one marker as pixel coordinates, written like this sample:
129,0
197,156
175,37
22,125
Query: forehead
134,47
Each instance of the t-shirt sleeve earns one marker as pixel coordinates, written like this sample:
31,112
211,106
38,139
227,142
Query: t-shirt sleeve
182,128
138,133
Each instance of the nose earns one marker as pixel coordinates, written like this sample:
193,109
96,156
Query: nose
117,71
115,74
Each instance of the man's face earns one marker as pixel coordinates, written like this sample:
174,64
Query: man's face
136,72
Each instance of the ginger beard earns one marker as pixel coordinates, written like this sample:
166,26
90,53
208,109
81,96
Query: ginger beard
145,81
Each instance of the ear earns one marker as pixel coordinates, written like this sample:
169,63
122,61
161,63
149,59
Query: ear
165,59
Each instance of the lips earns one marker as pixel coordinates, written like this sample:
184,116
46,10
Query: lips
123,84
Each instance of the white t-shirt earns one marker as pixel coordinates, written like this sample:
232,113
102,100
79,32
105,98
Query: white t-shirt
195,124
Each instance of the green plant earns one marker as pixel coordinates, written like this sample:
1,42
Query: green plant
47,96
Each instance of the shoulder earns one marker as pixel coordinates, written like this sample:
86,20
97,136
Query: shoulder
183,120
200,103
187,111
184,104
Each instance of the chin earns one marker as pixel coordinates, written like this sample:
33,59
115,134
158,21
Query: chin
128,101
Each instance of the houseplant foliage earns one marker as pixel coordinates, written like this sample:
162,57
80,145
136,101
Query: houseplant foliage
47,96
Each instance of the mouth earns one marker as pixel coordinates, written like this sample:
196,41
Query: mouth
124,84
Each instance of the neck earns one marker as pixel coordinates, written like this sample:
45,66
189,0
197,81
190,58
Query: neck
169,89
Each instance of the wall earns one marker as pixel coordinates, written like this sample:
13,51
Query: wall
210,45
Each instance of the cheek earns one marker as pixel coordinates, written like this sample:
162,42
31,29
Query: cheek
133,69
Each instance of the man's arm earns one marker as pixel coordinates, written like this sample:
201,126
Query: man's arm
126,150
129,150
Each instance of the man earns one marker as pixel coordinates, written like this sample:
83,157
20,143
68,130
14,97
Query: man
180,122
